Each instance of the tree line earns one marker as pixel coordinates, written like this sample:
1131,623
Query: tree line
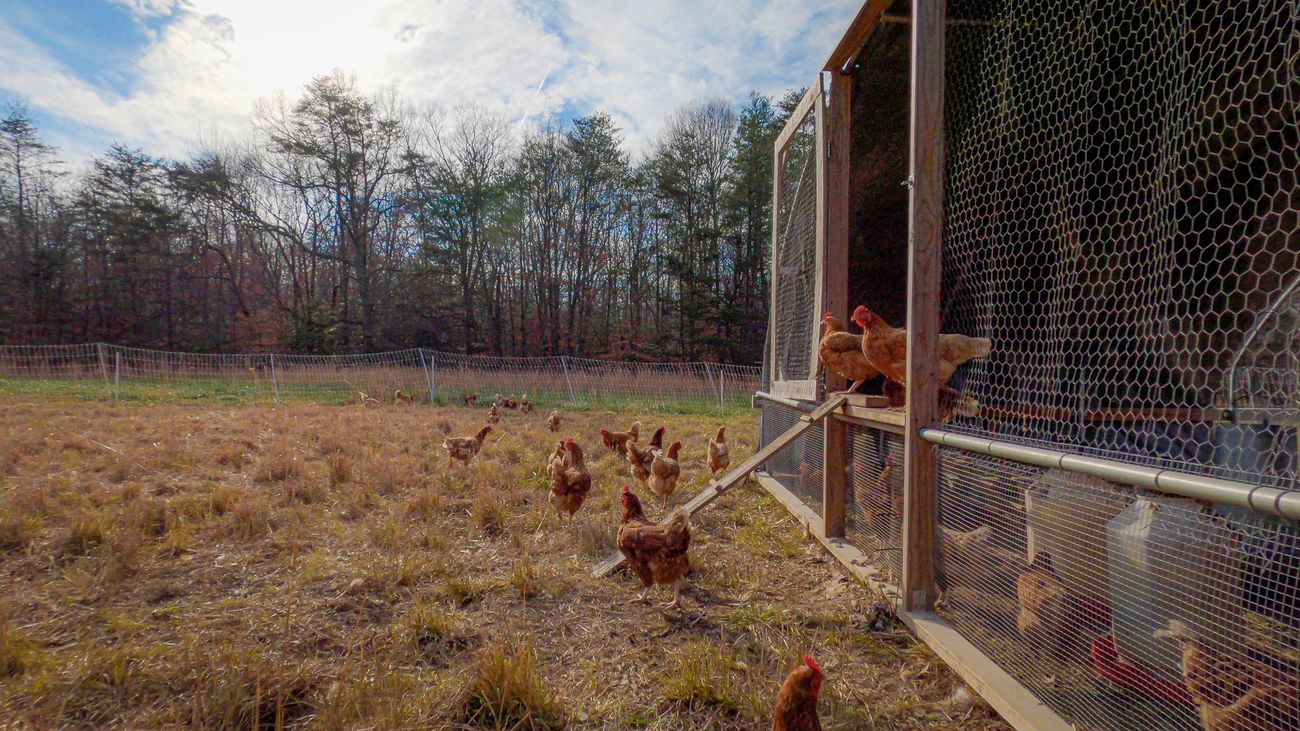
352,222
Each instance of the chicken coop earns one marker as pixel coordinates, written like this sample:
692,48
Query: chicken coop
1109,192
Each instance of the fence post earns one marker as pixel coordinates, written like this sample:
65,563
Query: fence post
564,361
103,364
427,367
722,375
275,382
924,260
117,370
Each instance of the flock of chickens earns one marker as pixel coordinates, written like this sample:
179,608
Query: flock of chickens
657,553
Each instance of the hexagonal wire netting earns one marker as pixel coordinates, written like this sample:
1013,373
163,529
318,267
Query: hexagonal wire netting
1122,220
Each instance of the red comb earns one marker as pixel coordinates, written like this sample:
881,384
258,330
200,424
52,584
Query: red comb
627,490
810,662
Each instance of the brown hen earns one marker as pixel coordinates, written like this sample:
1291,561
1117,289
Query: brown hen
656,553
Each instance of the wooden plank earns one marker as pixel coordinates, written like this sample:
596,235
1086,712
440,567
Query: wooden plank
835,261
863,25
797,116
1005,694
835,463
821,265
806,389
925,242
778,173
878,419
853,559
718,488
867,401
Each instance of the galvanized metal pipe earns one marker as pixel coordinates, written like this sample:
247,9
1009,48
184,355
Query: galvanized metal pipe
1267,500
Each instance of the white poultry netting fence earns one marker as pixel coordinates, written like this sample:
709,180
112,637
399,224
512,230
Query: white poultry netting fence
102,371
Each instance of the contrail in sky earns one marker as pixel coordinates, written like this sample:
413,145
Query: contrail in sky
545,76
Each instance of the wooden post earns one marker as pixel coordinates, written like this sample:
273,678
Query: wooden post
564,361
925,250
835,291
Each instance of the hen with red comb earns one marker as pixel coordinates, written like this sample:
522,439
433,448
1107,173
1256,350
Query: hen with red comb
796,703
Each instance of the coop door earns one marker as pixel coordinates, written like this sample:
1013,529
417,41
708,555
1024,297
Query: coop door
797,249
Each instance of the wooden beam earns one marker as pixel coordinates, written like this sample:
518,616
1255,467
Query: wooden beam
925,249
718,488
863,25
846,553
1005,694
835,288
797,116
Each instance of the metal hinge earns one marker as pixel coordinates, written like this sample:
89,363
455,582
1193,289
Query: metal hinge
909,182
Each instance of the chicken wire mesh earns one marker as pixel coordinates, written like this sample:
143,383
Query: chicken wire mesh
1122,219
101,371
1122,609
794,253
799,466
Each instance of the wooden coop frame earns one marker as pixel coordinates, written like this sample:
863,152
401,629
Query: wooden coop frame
830,100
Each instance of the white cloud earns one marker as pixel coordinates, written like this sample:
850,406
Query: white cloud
212,59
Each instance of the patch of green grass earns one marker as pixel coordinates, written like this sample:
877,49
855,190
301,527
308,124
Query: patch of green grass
507,691
240,390
704,677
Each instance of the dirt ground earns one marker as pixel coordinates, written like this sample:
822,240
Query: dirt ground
321,567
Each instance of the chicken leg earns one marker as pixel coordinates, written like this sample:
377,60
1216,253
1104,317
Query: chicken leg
676,603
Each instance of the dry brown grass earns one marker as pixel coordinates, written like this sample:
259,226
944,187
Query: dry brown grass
320,567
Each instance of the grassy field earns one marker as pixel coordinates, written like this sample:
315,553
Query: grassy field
308,566
226,391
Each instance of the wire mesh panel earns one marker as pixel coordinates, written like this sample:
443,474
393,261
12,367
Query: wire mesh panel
794,254
798,467
54,370
1121,609
1122,219
874,513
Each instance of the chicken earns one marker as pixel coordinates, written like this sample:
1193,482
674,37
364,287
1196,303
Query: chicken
366,400
656,553
471,400
493,416
464,448
1234,693
617,441
525,406
841,351
641,459
553,421
1042,599
664,471
796,703
957,550
400,397
570,481
719,453
886,349
506,402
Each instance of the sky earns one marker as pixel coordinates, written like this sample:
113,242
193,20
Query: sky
168,75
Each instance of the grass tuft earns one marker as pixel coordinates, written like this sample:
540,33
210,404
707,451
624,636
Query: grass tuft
507,691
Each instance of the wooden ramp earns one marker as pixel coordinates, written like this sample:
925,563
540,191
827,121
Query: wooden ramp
718,488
